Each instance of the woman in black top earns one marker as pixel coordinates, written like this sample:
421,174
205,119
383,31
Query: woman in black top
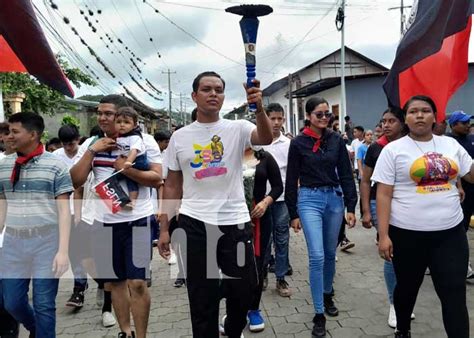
318,159
267,170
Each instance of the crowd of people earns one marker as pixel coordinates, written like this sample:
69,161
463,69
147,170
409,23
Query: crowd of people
184,193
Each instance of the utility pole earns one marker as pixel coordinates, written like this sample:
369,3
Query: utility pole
340,27
181,107
290,105
402,17
169,97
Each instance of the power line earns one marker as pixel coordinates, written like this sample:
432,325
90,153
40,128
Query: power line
304,37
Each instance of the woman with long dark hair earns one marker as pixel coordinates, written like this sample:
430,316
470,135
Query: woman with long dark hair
420,217
393,125
266,171
319,161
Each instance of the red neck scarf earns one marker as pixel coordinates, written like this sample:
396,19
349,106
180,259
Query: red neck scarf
383,141
22,160
310,132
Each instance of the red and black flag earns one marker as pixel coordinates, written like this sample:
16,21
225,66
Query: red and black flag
111,193
432,56
23,46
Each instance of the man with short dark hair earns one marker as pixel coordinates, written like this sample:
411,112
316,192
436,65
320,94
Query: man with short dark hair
280,216
459,124
69,137
349,128
204,162
34,207
124,235
162,138
8,324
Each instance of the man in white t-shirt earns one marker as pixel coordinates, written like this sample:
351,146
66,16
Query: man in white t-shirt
204,162
355,144
69,137
280,216
124,237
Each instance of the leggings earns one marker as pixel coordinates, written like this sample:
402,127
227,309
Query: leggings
446,253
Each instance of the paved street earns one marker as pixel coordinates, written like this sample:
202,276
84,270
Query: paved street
360,296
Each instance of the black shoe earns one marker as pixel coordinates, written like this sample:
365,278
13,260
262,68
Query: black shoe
124,335
179,282
400,334
319,328
290,271
77,299
330,308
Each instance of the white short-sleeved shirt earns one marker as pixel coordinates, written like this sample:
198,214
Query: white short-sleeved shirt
355,148
69,162
279,150
210,157
423,176
125,144
103,167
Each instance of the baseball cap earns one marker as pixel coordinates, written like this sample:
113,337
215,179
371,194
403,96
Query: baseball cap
459,116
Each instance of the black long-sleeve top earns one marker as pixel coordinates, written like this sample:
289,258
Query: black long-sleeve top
329,166
267,169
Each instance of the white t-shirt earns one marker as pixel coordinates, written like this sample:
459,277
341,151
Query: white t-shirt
69,162
103,167
279,150
210,156
355,148
125,144
423,176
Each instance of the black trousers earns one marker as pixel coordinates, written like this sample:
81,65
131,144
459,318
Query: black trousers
230,248
446,253
266,228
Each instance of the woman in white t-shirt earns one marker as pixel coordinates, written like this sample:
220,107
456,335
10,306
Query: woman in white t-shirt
419,214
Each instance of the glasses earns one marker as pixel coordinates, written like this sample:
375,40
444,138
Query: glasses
321,114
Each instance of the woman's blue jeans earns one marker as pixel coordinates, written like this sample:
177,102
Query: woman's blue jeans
388,272
321,211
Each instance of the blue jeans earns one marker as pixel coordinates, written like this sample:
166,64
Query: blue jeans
25,260
76,255
321,211
281,237
388,271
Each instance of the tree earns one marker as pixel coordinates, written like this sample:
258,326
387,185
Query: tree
41,98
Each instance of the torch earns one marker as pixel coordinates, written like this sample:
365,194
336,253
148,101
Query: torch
249,28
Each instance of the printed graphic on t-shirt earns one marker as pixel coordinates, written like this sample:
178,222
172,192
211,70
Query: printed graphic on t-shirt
432,173
208,159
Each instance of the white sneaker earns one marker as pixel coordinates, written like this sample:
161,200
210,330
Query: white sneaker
392,317
173,259
470,272
108,319
221,327
99,297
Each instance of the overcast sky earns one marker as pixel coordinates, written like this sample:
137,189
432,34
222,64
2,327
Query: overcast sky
195,36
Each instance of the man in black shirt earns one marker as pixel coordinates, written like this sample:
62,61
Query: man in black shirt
459,123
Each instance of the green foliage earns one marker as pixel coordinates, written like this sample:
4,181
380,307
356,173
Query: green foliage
45,137
71,120
93,98
41,98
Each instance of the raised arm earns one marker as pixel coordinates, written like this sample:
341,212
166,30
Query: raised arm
263,134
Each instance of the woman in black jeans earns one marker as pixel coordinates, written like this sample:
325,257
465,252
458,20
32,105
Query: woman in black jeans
419,215
266,170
